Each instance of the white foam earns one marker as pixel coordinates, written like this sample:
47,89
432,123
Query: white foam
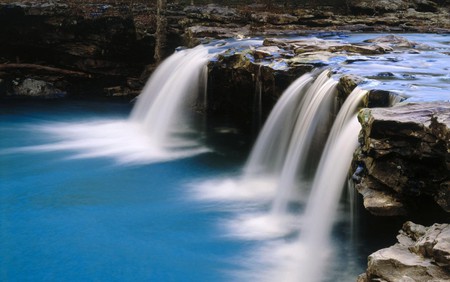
125,141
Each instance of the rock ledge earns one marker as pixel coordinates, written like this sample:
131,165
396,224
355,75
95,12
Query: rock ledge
421,254
404,156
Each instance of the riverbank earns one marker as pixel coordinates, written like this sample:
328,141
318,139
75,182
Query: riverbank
109,48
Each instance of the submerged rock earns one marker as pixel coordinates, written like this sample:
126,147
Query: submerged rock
421,254
405,153
34,88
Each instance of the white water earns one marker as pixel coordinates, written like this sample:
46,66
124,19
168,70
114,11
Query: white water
326,190
269,152
306,258
157,128
257,186
314,112
174,85
271,174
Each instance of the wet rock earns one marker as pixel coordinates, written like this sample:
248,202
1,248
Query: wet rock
197,34
249,75
405,152
113,41
265,52
302,46
382,98
397,41
34,88
421,254
348,82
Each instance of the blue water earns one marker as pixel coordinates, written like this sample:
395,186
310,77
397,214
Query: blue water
74,210
92,219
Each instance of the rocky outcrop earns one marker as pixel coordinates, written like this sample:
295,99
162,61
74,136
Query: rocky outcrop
61,48
385,6
116,45
261,73
421,254
404,157
202,23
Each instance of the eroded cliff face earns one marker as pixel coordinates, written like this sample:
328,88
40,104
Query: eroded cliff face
404,156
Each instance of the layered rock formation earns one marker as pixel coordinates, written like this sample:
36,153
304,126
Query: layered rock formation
213,21
261,72
110,48
421,254
404,157
61,48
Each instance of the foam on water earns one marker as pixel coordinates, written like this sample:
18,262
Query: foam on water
159,127
122,140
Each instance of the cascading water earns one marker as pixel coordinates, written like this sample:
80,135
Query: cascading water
279,156
157,127
314,110
141,216
270,150
305,258
327,187
160,106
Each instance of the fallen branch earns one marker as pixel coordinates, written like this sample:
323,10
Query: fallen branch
44,68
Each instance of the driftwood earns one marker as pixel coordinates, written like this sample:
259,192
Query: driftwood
44,68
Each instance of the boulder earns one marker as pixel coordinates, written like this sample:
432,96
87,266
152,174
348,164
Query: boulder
421,254
396,41
404,155
348,82
34,88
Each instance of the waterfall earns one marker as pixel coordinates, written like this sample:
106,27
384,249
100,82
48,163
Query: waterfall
158,126
159,108
269,152
302,255
327,187
314,110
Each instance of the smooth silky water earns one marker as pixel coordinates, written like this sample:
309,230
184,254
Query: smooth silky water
69,218
73,218
84,197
